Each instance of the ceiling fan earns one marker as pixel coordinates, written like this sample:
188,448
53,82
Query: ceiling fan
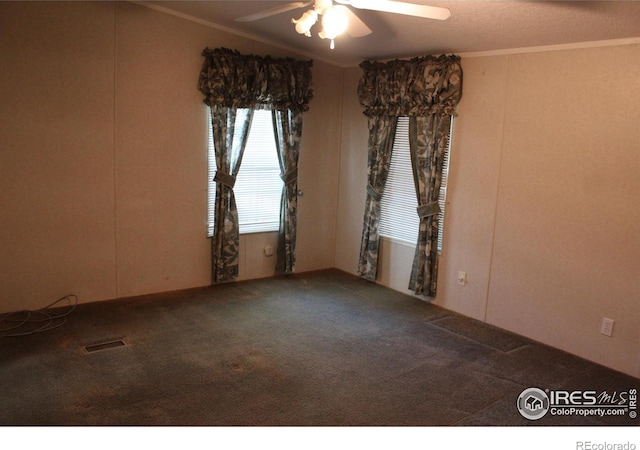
336,19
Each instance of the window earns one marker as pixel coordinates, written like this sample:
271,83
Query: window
258,186
398,218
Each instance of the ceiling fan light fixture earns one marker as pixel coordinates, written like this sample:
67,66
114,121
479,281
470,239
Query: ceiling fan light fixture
304,23
340,16
334,23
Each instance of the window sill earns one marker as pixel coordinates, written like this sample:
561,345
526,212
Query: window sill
245,233
257,232
402,243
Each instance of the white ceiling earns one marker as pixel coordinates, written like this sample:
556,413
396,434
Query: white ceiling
474,26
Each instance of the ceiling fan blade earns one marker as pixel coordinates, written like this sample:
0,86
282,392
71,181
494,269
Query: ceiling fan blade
273,11
356,27
397,7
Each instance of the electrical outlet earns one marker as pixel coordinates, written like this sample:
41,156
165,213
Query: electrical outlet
462,278
607,327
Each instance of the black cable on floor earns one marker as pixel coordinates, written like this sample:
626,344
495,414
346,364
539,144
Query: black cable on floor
24,323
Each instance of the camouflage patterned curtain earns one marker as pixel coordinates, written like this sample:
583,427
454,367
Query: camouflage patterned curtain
416,87
248,81
382,130
426,89
428,140
287,126
234,84
230,130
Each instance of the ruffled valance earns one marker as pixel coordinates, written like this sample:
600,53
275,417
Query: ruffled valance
416,87
230,79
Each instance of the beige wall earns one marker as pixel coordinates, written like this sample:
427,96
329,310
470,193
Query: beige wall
56,153
353,176
103,155
543,210
567,234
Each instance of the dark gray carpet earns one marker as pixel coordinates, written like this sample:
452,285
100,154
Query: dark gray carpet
322,348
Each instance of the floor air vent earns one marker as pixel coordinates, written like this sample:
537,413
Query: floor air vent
104,346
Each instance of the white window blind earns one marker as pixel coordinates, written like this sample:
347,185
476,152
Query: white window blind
258,186
442,197
398,218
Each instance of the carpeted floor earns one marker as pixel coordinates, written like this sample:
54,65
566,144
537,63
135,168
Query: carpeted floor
322,348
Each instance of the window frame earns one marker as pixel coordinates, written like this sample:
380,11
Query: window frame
263,141
410,214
